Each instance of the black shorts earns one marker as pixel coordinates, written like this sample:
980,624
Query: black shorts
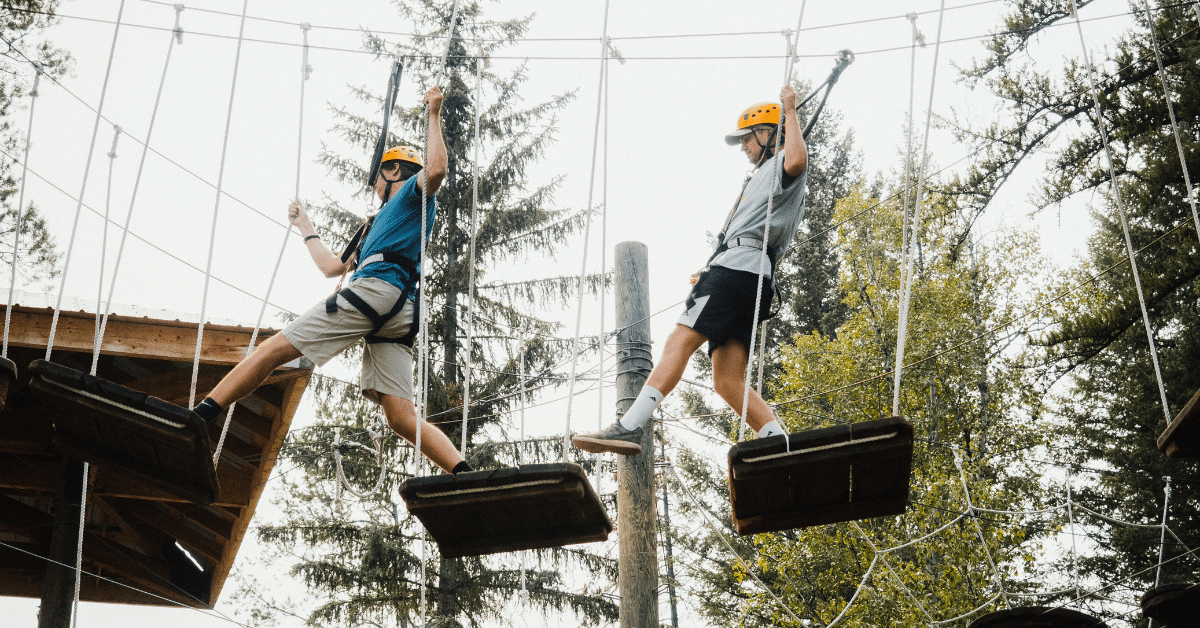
721,306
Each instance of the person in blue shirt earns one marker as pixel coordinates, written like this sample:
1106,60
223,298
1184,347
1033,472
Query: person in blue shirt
378,305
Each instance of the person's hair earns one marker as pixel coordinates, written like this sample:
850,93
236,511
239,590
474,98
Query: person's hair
408,169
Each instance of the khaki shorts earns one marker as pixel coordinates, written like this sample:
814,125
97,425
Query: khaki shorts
386,366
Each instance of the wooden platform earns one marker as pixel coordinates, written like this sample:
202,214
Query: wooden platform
1037,617
1173,605
841,473
1181,439
132,527
532,506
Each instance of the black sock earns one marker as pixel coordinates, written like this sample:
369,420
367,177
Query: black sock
208,410
461,467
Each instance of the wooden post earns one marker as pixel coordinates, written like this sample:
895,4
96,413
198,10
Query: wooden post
638,566
58,585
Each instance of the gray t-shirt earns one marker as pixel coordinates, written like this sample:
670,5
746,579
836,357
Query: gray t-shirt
745,231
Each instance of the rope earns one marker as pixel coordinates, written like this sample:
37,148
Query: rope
908,152
720,534
892,572
907,275
1071,522
979,531
521,395
33,94
1112,180
763,258
103,307
305,71
1162,76
1163,537
336,448
423,314
587,232
212,237
79,545
471,254
601,339
176,37
83,186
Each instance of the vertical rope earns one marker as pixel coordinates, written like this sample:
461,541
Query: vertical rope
305,72
33,94
212,236
1162,540
62,286
906,202
1112,180
423,308
471,252
587,231
907,274
521,396
176,38
601,338
1071,521
101,306
763,258
979,531
1162,76
79,545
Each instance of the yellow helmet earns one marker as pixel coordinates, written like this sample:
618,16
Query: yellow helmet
759,113
402,153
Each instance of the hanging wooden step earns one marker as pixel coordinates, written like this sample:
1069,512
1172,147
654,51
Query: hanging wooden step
1173,605
109,425
833,474
532,506
8,375
1037,617
1181,439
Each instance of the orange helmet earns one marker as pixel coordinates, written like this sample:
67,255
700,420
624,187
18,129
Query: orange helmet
760,113
402,153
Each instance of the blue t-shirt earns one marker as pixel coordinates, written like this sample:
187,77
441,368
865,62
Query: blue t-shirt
396,228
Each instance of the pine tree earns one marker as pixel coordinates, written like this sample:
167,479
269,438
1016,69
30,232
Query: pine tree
1099,343
361,556
23,22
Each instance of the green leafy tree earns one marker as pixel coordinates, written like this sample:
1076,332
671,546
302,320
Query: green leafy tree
1098,342
361,556
967,390
24,51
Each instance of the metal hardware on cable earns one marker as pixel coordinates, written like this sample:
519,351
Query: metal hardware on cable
907,274
212,237
305,71
176,38
1112,180
587,233
83,186
100,305
12,284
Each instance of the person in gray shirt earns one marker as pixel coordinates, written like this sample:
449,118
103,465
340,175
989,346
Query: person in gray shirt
721,308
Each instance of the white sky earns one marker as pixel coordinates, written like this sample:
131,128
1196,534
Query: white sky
670,177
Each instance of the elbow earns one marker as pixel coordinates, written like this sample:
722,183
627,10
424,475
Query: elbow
434,176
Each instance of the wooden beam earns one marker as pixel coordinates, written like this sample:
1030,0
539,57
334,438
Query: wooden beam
142,514
24,520
131,336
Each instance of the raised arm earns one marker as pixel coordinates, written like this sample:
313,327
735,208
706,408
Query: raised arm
435,165
795,158
329,264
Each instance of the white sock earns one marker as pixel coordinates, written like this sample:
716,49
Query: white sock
771,429
642,408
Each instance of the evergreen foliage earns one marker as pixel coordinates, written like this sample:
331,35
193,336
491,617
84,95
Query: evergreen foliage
1098,342
362,557
22,23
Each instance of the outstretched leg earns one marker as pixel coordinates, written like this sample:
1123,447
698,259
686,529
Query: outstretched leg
248,375
402,418
624,437
729,379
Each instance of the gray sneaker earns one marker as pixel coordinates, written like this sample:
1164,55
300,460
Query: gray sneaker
613,438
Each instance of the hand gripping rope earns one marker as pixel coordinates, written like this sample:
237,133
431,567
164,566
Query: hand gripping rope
33,94
305,72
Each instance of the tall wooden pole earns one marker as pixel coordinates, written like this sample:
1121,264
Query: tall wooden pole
638,567
58,585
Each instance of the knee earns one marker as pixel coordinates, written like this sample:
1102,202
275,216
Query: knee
728,385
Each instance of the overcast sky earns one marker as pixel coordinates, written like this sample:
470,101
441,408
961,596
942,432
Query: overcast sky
691,67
